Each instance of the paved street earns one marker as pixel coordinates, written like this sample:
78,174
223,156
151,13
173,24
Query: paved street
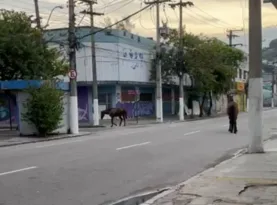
112,164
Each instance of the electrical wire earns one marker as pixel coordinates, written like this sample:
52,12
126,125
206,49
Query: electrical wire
219,20
128,2
141,22
129,16
81,20
203,20
243,20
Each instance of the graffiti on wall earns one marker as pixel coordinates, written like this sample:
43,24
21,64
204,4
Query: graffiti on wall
83,111
137,108
5,111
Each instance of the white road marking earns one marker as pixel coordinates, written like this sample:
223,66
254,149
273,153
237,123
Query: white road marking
18,170
134,145
225,125
191,133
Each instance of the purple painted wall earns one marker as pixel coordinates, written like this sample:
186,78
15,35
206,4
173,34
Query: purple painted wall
83,104
4,111
137,108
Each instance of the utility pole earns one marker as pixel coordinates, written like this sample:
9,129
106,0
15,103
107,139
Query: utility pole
93,58
159,99
37,14
255,77
273,88
73,101
181,4
231,35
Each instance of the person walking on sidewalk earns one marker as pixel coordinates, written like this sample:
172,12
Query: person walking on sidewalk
232,111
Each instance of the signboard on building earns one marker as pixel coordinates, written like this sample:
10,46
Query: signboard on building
133,92
240,86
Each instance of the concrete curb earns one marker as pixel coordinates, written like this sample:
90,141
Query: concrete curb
45,139
182,184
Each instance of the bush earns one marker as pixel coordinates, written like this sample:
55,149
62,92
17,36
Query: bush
44,108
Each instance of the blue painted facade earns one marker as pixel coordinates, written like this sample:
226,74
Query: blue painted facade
9,111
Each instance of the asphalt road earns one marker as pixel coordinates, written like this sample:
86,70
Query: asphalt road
109,165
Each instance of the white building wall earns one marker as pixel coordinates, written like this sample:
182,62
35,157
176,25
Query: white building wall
134,63
244,67
115,62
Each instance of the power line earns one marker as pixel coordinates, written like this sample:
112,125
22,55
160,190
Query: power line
212,16
128,2
131,15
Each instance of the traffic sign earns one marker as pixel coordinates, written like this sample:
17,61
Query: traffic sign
72,74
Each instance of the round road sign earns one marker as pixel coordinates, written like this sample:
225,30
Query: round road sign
72,74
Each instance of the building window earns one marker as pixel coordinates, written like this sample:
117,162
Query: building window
240,73
105,99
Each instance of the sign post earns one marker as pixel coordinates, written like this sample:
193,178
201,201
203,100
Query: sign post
72,74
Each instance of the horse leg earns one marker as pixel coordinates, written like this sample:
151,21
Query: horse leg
124,118
113,122
120,120
235,126
230,125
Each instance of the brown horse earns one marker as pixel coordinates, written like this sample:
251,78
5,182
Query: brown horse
232,111
115,112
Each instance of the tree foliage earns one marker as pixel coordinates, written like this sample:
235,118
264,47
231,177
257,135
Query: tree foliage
23,54
44,108
210,63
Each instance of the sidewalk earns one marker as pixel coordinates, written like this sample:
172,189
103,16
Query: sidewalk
244,180
11,138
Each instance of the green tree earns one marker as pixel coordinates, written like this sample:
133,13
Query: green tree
177,62
23,54
218,63
209,62
44,108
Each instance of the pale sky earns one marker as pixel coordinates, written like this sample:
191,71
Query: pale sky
210,17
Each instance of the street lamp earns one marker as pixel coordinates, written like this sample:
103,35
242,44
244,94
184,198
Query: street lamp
56,7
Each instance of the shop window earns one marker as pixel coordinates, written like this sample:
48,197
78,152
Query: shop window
105,99
146,97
